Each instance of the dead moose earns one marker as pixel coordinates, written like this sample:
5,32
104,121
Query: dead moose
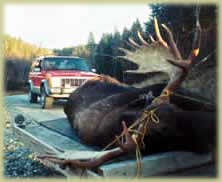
154,119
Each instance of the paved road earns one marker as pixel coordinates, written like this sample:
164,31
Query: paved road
19,104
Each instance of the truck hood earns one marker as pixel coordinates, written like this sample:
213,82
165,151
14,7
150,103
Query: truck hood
72,73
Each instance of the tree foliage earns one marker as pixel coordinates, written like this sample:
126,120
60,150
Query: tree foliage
91,40
67,51
81,51
16,48
107,50
182,21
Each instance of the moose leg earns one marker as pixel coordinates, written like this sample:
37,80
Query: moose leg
129,146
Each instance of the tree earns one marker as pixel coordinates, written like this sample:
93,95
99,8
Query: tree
67,51
126,34
16,48
81,51
91,45
181,20
91,40
104,54
136,27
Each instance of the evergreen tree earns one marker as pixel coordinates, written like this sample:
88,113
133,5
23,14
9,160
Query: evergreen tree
91,40
104,54
181,19
91,45
136,27
81,51
67,51
126,34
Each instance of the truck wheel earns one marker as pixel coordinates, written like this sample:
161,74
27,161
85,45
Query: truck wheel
45,101
33,98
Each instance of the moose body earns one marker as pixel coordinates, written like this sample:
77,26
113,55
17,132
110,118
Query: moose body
96,111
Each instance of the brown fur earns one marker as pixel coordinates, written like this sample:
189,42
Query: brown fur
106,79
96,110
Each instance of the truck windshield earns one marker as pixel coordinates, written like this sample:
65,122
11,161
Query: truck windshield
65,64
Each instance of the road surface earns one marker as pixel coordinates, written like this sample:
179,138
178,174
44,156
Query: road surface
19,104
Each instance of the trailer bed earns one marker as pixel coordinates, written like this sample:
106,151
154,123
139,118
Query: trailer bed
49,131
56,135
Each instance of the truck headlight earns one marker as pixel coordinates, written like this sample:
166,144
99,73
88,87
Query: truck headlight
55,82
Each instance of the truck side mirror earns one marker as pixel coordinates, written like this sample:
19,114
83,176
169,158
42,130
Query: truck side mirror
93,70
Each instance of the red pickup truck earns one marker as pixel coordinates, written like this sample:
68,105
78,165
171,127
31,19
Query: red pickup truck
56,77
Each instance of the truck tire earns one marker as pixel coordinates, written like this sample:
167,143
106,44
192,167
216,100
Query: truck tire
33,98
46,101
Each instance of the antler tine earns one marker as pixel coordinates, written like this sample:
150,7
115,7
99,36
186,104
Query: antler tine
125,51
172,43
134,43
197,39
142,39
130,45
159,37
152,39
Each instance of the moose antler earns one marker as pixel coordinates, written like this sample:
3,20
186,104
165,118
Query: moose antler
159,56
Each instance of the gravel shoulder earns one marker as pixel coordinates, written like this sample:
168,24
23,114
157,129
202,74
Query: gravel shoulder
19,161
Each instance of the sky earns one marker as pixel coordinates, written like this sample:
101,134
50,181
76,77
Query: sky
59,26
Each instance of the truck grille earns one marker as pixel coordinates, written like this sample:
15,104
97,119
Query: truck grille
72,82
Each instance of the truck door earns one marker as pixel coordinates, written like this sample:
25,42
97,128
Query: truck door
39,76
